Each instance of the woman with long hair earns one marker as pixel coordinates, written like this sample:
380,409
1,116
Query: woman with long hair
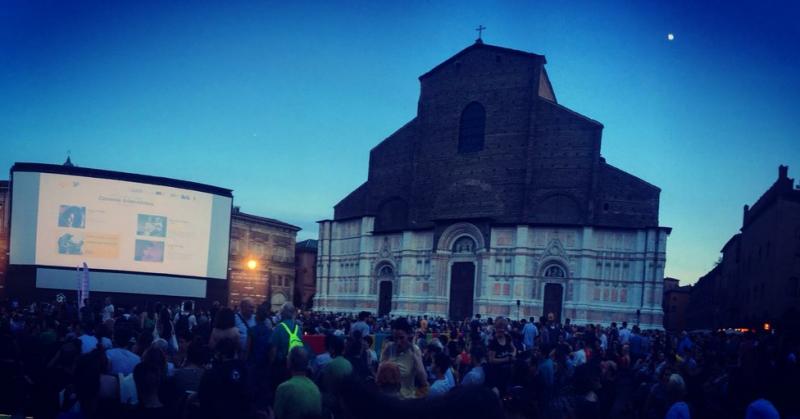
165,329
224,327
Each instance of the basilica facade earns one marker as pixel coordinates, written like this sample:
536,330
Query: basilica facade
495,199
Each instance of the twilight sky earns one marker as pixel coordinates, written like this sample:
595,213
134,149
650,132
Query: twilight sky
282,102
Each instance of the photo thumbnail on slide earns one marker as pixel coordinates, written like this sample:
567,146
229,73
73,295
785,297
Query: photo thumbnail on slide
70,244
72,216
149,251
151,225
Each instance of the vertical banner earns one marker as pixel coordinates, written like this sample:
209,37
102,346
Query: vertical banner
78,285
85,282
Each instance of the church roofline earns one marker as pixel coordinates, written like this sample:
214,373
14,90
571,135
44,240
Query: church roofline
406,125
579,115
481,45
634,177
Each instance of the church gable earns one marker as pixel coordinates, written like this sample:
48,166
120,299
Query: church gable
490,142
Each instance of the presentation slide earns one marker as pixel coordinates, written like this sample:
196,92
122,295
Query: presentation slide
119,225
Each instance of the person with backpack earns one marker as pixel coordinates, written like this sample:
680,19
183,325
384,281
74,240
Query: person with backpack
185,321
287,334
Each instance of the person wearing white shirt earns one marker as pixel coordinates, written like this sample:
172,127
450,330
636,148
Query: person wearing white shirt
624,333
89,343
120,359
603,340
108,310
529,333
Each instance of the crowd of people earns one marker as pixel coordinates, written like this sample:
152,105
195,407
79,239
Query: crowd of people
58,360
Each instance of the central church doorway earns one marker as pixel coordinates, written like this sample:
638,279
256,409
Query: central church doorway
385,298
553,294
462,289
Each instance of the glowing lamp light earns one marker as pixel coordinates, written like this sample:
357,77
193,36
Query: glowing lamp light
767,327
252,264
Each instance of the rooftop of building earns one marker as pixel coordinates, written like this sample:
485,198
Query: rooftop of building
237,213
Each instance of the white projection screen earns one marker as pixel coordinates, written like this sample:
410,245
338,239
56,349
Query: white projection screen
126,224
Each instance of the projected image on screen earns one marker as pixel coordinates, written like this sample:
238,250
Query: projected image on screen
70,244
151,225
149,251
71,216
127,226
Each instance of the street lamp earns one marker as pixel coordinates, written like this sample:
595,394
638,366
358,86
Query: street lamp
252,264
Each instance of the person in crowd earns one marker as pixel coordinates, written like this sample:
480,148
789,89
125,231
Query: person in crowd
121,359
165,329
371,353
93,392
339,368
676,390
90,339
477,374
361,325
189,376
441,364
321,360
298,397
502,354
244,320
149,378
388,379
185,321
408,358
356,353
223,389
108,310
258,339
529,333
624,334
224,328
287,333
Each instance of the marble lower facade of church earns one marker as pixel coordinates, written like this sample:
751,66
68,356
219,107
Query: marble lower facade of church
587,274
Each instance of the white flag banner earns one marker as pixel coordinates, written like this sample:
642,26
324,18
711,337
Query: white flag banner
85,282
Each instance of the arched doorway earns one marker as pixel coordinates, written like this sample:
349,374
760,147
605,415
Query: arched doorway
385,289
553,291
385,298
462,280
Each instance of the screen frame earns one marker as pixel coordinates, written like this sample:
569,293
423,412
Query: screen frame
120,176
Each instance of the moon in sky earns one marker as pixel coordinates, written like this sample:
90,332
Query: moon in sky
670,37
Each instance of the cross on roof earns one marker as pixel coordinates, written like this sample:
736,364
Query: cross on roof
480,30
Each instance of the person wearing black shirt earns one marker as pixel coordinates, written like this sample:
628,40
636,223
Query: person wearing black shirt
501,356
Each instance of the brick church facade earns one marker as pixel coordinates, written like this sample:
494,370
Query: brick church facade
495,199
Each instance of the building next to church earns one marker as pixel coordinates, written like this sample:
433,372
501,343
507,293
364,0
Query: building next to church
4,212
261,263
676,299
757,280
305,279
495,193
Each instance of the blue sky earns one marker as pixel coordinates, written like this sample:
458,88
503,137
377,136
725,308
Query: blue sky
282,102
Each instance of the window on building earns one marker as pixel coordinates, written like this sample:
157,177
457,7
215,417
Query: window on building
464,245
386,271
472,128
554,271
